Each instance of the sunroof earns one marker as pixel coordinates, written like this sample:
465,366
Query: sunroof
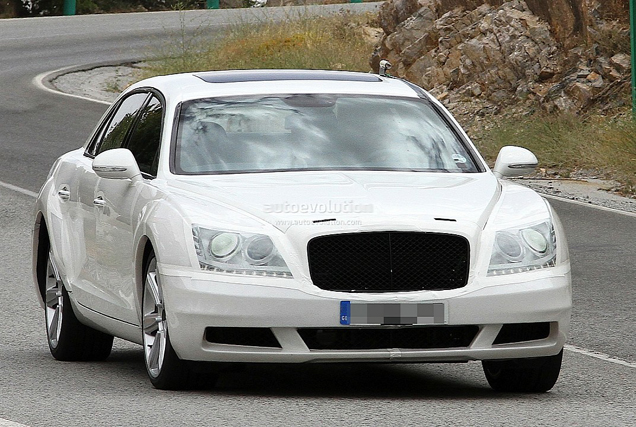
240,76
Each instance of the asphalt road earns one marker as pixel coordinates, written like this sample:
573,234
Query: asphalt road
598,380
36,127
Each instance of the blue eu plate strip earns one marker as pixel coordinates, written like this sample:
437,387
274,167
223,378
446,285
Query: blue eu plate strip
345,312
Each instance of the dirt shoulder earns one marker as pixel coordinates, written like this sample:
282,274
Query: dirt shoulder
99,83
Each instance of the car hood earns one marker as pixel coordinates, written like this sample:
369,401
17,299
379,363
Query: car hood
287,198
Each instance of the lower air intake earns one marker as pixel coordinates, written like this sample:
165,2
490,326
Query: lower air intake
428,337
519,332
254,337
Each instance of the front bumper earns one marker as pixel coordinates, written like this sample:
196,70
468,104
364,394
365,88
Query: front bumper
198,300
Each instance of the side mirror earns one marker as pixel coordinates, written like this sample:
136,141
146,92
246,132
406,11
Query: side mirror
514,161
118,163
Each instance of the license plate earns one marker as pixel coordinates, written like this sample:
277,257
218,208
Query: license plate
354,313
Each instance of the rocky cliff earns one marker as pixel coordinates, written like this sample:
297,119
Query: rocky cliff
482,56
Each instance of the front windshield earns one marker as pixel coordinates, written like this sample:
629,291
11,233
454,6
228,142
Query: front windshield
315,132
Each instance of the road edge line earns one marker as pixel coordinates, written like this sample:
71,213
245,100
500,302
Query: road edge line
38,81
42,80
599,355
590,205
18,189
9,423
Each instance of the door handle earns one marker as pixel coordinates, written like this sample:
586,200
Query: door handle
99,202
63,193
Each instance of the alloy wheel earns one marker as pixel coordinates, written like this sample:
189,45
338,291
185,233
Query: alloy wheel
54,303
154,322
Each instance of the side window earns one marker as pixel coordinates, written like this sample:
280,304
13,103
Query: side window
114,134
146,136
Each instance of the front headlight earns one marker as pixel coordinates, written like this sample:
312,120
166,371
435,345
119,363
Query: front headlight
239,253
516,250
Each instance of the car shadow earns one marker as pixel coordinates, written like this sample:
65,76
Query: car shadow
332,380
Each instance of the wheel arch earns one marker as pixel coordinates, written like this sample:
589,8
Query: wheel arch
144,248
41,247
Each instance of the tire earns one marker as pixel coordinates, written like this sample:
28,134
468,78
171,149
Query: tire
69,340
165,370
536,375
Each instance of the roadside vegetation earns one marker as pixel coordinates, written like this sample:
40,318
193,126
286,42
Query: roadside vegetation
336,42
22,8
567,145
598,144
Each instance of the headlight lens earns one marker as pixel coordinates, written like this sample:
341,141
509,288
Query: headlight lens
535,240
238,253
523,249
509,246
223,245
259,250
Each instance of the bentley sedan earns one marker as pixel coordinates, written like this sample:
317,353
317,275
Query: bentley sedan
297,216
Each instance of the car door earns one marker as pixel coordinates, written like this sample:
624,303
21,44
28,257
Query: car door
64,222
105,218
117,218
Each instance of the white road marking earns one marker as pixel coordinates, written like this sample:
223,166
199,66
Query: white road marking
7,423
38,81
589,205
599,355
18,189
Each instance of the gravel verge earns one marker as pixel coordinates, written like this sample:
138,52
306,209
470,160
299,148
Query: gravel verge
593,191
100,83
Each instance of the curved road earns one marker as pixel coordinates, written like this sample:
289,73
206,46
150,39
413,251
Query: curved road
598,381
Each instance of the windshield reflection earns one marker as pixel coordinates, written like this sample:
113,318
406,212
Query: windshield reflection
315,132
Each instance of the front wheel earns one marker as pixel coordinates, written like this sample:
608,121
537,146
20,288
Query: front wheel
536,375
68,338
165,370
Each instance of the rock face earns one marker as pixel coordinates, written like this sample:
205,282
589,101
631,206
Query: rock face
480,56
610,9
567,19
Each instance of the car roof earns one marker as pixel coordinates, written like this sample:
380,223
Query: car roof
182,87
241,76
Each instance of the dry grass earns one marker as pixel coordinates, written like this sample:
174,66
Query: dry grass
611,38
324,42
567,144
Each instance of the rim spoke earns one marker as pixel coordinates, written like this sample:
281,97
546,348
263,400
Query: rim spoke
52,297
153,287
53,268
54,324
151,322
155,351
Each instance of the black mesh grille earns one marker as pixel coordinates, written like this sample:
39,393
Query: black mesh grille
408,338
256,337
388,261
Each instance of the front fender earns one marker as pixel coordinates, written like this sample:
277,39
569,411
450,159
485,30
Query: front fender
163,228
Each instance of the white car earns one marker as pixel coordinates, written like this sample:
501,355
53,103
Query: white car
297,216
